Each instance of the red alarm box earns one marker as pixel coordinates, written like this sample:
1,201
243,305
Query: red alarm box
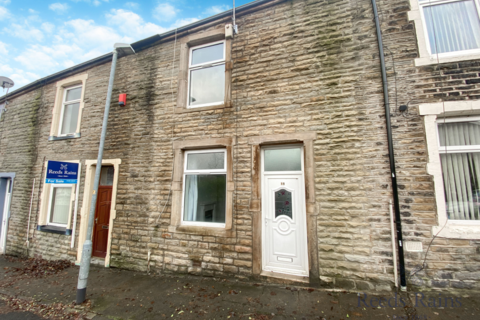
122,99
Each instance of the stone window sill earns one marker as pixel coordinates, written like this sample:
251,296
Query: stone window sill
468,230
53,229
203,231
215,107
73,136
425,61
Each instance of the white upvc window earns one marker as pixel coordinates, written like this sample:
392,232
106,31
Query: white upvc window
206,75
205,188
459,148
70,111
60,204
452,131
447,30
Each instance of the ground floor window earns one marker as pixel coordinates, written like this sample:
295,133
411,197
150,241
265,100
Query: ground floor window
205,187
60,205
459,146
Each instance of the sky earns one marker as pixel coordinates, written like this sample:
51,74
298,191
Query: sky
39,38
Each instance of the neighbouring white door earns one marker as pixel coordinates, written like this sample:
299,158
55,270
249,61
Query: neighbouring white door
6,208
284,233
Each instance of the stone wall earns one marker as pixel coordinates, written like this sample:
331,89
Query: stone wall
298,66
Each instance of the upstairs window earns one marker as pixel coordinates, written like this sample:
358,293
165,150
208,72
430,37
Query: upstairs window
205,188
70,110
451,25
206,75
459,147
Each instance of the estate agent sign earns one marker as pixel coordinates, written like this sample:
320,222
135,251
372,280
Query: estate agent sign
62,172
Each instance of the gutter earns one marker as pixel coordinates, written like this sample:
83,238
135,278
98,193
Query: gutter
398,221
137,46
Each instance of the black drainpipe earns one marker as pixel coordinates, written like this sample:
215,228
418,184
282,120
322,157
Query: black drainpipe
398,222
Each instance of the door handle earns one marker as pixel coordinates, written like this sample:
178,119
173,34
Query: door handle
96,220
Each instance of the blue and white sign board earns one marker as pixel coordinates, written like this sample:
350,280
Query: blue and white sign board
62,172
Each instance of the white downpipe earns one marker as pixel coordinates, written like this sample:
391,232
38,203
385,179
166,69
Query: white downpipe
30,212
394,249
72,243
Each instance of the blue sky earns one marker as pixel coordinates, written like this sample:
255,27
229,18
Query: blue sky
38,38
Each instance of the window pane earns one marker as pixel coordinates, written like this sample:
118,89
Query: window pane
106,176
283,203
205,198
206,54
73,94
455,26
70,118
283,159
461,173
207,85
459,133
205,161
60,205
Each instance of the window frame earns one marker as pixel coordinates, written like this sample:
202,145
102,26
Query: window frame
58,107
64,103
204,172
424,48
434,113
203,38
49,212
205,65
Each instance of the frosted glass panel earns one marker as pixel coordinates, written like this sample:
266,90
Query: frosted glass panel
283,203
60,205
205,198
283,159
206,54
73,94
206,161
106,176
207,85
453,26
70,118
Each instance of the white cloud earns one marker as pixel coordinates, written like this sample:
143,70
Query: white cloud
5,2
132,25
3,13
22,78
183,22
25,32
48,27
217,9
164,12
58,7
32,11
132,5
3,48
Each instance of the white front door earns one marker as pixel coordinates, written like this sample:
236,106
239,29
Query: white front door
284,236
4,216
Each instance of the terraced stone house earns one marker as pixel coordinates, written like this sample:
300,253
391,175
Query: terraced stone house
264,153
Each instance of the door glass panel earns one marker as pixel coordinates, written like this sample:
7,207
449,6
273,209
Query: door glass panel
206,54
205,161
60,205
106,176
283,203
283,159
